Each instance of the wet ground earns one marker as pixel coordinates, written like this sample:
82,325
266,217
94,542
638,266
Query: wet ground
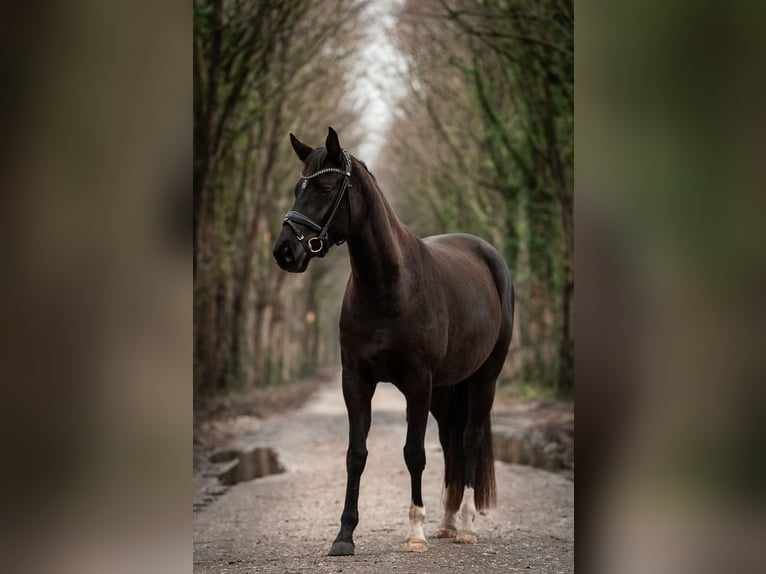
285,520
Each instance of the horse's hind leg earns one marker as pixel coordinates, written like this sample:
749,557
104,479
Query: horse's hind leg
418,394
479,480
441,398
479,476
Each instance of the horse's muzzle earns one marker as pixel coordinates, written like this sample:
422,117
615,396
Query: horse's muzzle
290,256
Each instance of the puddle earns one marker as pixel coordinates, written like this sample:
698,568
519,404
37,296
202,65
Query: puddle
248,465
521,450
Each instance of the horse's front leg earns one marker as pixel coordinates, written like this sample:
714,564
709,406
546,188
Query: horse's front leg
418,403
358,396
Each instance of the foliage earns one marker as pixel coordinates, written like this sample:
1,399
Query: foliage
262,68
482,143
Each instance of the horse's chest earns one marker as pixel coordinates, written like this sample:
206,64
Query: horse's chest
385,347
370,341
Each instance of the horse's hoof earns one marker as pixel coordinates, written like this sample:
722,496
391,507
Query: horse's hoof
341,548
415,545
466,537
445,532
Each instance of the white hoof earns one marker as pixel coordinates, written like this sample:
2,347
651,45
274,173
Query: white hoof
466,537
415,545
445,532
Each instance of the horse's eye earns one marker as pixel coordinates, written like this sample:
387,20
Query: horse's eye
326,189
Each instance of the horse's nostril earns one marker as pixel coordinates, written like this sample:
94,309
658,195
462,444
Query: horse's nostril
287,254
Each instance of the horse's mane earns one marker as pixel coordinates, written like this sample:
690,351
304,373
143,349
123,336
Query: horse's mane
366,170
364,165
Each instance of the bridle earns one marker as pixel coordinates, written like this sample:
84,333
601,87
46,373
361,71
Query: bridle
315,245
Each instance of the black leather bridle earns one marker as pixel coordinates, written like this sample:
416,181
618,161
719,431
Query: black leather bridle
315,246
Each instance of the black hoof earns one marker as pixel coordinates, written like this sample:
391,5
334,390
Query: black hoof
341,548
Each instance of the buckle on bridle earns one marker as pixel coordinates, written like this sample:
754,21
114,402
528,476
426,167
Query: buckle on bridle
315,245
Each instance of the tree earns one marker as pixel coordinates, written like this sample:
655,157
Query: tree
262,68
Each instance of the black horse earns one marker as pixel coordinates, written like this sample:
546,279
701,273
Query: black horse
433,316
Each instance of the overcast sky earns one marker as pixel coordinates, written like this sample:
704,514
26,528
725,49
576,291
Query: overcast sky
380,87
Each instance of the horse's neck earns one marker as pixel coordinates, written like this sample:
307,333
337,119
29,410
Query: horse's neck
380,250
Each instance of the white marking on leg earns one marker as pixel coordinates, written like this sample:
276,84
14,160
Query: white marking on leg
449,520
467,513
448,526
416,540
468,510
417,520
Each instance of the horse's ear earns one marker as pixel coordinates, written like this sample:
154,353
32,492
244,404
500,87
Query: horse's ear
300,148
333,147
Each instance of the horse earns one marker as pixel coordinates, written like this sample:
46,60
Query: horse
433,316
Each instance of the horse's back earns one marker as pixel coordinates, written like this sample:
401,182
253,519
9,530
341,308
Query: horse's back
478,299
471,253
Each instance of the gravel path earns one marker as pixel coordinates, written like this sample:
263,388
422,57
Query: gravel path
284,523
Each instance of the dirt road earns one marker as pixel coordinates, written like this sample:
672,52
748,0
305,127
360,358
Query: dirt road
284,523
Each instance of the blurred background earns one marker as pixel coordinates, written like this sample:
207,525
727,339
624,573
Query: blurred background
97,327
464,111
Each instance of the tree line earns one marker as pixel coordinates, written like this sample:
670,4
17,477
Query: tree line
262,68
482,142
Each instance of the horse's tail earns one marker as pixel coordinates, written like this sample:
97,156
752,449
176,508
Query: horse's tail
454,472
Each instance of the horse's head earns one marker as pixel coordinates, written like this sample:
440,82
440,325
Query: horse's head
318,218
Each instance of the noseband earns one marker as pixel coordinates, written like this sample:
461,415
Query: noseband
316,245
